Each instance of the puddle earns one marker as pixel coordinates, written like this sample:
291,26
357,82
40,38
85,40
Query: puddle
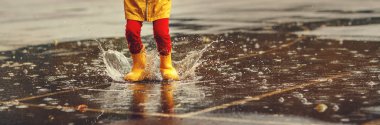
216,69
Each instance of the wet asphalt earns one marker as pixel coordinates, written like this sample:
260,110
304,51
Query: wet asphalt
243,78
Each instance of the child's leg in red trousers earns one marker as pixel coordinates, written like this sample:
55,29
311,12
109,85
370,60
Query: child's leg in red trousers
161,35
132,33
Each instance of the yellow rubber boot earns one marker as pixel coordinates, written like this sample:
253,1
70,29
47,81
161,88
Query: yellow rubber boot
168,72
138,68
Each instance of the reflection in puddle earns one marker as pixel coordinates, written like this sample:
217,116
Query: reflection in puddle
142,98
162,97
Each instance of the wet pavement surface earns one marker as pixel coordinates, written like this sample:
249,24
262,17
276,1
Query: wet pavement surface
229,78
241,62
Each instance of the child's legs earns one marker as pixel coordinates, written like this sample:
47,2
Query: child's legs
161,35
132,33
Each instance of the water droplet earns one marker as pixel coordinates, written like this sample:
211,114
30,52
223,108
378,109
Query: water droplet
304,101
257,45
25,71
59,107
365,102
22,106
281,100
338,96
86,96
41,104
42,90
320,108
330,80
232,78
329,43
372,83
48,99
344,120
298,95
374,61
264,81
79,43
2,108
335,108
68,109
236,63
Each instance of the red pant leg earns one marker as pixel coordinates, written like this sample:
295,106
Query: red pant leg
132,34
161,35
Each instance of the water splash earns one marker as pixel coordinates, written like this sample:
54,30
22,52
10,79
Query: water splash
152,68
117,64
187,66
